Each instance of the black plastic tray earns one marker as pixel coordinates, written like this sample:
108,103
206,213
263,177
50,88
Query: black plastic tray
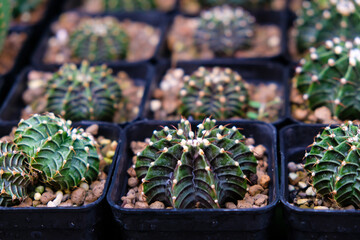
85,222
13,104
309,223
252,71
194,224
157,20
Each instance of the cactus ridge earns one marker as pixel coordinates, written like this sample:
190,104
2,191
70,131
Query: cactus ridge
323,20
334,164
217,92
330,76
128,5
185,169
5,11
14,175
224,30
83,93
99,39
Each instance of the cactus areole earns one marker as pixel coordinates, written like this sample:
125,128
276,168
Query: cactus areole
333,163
187,169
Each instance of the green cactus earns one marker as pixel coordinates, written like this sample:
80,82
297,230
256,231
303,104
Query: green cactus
333,163
99,39
20,7
4,21
185,169
236,3
224,30
329,76
323,20
84,93
14,174
128,5
217,92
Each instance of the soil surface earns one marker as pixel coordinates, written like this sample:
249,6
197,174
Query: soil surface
257,195
144,39
35,100
10,51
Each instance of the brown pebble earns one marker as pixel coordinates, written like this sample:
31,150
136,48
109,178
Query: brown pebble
260,199
35,203
249,141
249,199
67,203
243,204
255,190
93,129
46,197
350,207
41,205
129,205
265,192
26,203
141,205
102,176
264,181
157,205
230,205
98,189
300,114
78,196
131,194
323,114
133,181
259,151
131,172
90,197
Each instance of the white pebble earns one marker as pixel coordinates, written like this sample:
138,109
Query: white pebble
84,185
155,105
293,176
310,192
302,185
37,196
51,204
291,188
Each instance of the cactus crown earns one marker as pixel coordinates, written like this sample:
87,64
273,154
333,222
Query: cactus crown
238,3
185,169
20,7
99,39
334,161
5,11
47,149
329,76
322,20
128,5
219,92
87,92
225,30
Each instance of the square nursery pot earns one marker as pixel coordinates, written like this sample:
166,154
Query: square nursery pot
157,20
253,71
192,223
84,222
141,74
309,223
263,18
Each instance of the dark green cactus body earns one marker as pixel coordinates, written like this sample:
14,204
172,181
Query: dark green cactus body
62,156
236,3
217,92
224,30
128,5
323,20
84,93
334,163
14,174
99,39
184,169
5,11
20,7
330,76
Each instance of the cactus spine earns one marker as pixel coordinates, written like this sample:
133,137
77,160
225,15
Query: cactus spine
329,76
225,30
333,163
128,5
83,93
5,11
185,169
219,92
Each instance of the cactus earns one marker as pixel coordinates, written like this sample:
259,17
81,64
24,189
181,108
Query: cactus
328,76
185,169
333,163
323,20
224,30
14,175
236,3
128,5
20,7
84,93
99,39
4,21
219,92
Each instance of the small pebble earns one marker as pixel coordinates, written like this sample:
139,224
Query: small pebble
243,204
46,197
300,167
292,167
133,182
93,129
230,205
293,176
141,205
157,205
255,190
260,199
291,188
302,185
302,201
39,189
78,196
259,151
302,194
37,196
321,208
129,205
310,192
350,207
264,181
85,186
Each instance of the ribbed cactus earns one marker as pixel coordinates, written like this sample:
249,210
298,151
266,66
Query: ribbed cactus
185,169
128,5
5,11
63,157
217,92
224,30
326,19
84,93
329,76
99,39
237,3
14,174
23,6
334,162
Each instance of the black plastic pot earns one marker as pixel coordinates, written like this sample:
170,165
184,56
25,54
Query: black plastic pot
85,222
309,223
192,223
252,71
13,104
157,20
